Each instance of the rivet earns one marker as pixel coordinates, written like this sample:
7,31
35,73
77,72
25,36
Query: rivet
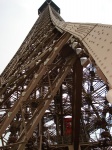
105,58
104,68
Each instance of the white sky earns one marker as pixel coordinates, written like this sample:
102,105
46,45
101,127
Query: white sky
18,16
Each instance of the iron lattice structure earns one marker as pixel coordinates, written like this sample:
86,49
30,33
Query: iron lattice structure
53,91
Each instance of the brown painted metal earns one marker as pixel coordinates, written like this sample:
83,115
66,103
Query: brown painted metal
76,102
43,86
32,84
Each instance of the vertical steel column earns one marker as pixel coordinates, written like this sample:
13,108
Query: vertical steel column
76,102
61,107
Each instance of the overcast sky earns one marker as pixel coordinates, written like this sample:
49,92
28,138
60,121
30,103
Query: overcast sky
18,16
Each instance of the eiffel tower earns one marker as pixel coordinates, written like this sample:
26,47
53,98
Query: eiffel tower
53,91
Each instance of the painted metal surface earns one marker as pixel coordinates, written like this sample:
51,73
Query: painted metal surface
40,87
97,38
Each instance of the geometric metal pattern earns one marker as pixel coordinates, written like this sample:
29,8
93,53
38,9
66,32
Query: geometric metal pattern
53,91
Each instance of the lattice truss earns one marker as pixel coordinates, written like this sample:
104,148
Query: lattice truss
38,93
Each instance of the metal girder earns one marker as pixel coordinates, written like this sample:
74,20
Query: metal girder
43,85
13,111
48,100
76,102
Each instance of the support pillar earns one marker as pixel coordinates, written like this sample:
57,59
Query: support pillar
76,102
61,109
